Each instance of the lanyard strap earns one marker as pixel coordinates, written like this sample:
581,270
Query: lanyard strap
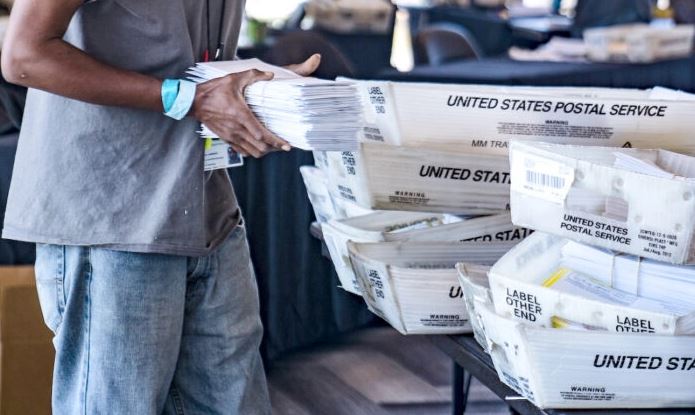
220,28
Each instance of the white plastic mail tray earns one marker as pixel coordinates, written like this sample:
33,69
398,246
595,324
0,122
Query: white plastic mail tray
414,285
645,206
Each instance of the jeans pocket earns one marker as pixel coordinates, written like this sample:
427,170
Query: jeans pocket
50,283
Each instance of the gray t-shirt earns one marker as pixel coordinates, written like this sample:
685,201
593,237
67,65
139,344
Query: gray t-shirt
122,178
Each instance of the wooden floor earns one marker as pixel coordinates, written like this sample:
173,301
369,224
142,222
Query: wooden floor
374,371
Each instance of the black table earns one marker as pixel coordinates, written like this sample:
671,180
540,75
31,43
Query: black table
300,300
677,74
471,358
11,252
538,30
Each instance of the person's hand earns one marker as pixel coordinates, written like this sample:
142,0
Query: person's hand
307,67
221,106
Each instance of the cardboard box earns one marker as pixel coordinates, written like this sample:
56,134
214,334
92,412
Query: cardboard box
590,369
446,180
26,348
525,286
350,16
576,192
371,228
483,119
414,285
641,43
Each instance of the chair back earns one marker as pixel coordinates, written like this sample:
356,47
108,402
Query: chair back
296,47
441,43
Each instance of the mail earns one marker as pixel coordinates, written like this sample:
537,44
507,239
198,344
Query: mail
310,113
667,283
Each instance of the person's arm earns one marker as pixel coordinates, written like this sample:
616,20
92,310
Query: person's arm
35,55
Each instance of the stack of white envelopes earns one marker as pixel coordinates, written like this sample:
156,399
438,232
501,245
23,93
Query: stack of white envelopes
672,284
309,113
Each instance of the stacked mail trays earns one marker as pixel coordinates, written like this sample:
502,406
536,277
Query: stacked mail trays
446,145
638,42
590,369
533,285
576,192
414,285
578,367
483,119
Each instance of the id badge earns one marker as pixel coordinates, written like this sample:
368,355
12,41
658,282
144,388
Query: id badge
220,155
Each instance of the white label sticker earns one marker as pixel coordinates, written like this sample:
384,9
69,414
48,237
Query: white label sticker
540,177
220,155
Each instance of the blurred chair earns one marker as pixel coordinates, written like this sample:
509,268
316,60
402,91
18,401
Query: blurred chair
296,47
597,13
441,43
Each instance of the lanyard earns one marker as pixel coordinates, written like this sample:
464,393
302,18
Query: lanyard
220,44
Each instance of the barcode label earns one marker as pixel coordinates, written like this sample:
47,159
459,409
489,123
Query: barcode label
541,177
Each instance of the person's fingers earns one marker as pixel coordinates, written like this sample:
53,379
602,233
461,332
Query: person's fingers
254,75
234,132
248,118
245,135
234,141
259,131
307,67
245,146
239,119
251,150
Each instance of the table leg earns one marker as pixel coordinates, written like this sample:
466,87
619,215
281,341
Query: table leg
460,389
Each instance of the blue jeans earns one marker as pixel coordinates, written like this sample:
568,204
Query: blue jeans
141,334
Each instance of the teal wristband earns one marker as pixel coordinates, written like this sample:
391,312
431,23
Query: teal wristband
184,100
170,90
